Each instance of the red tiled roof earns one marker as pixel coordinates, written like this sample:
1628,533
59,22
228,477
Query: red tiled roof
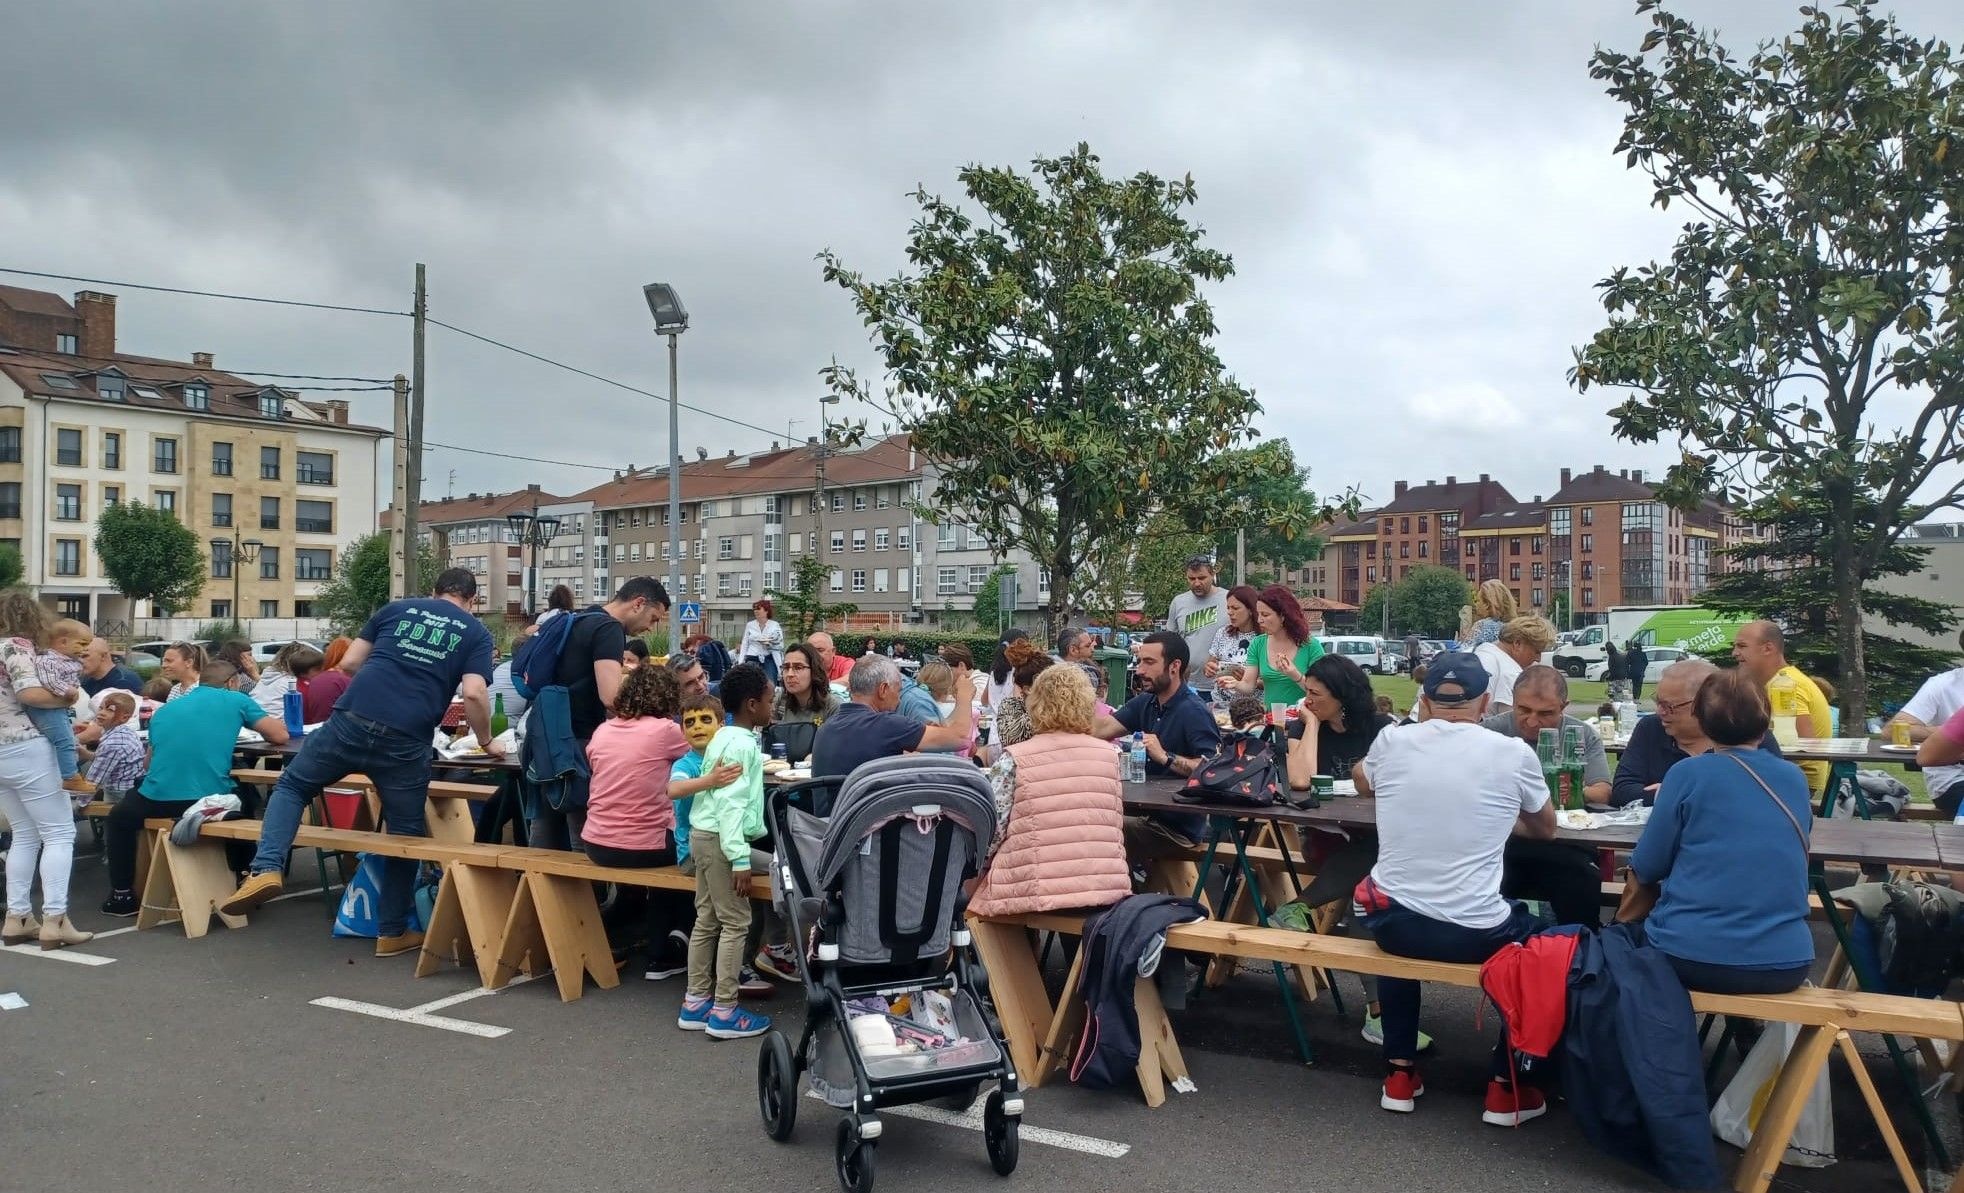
1513,517
35,302
879,461
1458,495
1600,484
230,396
476,507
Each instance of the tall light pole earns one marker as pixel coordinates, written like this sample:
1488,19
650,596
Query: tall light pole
239,552
819,545
534,532
671,320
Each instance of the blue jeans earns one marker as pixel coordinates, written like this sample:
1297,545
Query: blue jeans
58,727
398,765
1406,933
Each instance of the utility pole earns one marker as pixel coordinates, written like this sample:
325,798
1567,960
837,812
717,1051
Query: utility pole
1241,556
413,474
402,533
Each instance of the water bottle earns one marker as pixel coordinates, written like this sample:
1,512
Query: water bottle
778,752
1136,773
296,718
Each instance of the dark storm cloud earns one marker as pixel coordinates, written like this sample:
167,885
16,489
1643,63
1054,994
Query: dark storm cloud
1419,197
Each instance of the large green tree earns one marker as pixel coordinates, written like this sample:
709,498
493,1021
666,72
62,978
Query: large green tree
149,555
11,566
361,582
1803,336
1786,576
1050,351
988,601
1426,601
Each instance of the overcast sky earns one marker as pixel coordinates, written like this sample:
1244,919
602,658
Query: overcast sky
1419,198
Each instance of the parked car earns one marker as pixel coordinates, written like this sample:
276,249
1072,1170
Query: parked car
263,652
1367,651
1656,658
1395,662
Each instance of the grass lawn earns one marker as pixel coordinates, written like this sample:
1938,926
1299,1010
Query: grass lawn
1404,693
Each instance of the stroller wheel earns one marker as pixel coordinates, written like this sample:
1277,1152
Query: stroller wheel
855,1160
777,1087
999,1133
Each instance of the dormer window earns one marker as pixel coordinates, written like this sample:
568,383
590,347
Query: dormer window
197,395
65,344
109,386
270,405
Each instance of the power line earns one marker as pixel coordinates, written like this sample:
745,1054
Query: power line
278,302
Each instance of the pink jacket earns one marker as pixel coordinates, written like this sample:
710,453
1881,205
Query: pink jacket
1064,846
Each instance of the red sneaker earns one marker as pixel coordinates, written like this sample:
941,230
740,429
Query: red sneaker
1402,1089
1512,1105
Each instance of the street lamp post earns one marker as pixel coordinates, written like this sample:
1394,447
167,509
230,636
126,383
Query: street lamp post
671,320
532,531
241,552
819,545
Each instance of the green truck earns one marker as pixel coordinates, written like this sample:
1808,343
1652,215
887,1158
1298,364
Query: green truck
1691,628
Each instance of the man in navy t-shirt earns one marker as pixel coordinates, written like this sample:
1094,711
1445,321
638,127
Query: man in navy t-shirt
867,727
406,662
1179,731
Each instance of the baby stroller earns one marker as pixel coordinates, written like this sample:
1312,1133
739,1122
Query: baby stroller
868,874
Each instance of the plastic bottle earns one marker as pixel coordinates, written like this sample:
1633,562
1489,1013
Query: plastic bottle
292,708
499,721
1136,772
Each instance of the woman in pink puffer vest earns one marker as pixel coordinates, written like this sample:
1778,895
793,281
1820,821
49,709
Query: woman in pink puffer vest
1062,838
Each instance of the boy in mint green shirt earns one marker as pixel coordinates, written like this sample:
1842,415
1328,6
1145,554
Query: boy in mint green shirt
723,821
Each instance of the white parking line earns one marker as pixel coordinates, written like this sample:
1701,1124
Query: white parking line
971,1120
68,955
421,1015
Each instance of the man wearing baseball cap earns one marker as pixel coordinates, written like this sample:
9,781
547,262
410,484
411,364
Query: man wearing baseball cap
1450,794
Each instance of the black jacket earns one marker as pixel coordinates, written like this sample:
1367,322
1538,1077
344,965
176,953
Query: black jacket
1116,940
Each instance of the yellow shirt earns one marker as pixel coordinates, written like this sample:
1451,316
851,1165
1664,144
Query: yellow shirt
1791,694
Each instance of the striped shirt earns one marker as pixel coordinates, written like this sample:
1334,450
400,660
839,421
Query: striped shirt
119,758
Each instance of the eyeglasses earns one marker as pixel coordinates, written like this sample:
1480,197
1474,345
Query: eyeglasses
1666,708
797,667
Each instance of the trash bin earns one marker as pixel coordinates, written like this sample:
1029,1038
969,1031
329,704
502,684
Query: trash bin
1115,662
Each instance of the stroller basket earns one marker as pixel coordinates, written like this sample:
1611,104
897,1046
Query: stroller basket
831,1071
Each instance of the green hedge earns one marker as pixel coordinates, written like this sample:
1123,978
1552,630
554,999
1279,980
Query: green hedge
921,644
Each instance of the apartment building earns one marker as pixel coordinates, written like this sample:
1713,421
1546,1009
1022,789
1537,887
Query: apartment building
276,485
476,531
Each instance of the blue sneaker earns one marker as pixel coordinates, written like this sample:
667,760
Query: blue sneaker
735,1023
694,1015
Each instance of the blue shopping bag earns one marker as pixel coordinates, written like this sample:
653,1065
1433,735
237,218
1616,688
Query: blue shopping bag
363,896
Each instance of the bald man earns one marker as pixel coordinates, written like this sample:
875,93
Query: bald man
1668,736
1761,651
836,668
101,671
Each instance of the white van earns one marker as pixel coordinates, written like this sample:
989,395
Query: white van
1367,651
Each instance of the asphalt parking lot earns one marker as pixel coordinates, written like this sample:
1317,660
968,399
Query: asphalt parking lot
279,1058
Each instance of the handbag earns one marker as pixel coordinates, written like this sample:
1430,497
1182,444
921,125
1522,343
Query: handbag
1249,772
1639,898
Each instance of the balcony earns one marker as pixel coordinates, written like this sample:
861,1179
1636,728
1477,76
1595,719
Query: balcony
314,476
314,525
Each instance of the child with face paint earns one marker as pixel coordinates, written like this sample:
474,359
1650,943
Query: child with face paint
724,819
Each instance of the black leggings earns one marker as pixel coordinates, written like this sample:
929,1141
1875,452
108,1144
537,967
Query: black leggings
643,911
1732,979
125,827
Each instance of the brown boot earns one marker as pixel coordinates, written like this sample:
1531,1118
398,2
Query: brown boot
57,931
20,929
410,941
78,785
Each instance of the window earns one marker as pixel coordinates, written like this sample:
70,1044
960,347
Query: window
109,386
1043,581
1513,571
270,406
221,509
1514,545
303,608
1538,601
68,557
725,584
59,381
1421,523
221,559
902,580
164,458
197,395
664,551
1588,540
317,468
312,564
166,500
1540,571
773,550
1536,545
882,539
859,579
881,502
1371,575
65,343
774,579
269,608
1472,550
9,445
269,513
221,609
859,540
944,581
858,499
269,463
9,499
1588,515
700,546
1588,597
838,502
1588,570
634,518
904,538
879,580
221,459
743,584
838,541
978,575
1404,550
68,448
945,539
634,552
313,517
838,580
726,547
1404,525
68,503
798,543
269,564
1424,548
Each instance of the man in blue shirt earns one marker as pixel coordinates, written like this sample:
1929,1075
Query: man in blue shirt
1179,730
407,661
192,739
868,726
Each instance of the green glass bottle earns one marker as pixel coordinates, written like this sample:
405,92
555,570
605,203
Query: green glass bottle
499,722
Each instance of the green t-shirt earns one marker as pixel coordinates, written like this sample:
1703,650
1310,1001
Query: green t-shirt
1278,688
191,743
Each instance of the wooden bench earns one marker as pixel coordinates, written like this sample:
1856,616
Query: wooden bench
1041,1034
447,809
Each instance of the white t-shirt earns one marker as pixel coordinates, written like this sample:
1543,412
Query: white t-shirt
1934,703
1502,671
1448,794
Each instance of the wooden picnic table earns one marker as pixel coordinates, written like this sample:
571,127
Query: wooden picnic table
508,764
1826,749
1881,842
